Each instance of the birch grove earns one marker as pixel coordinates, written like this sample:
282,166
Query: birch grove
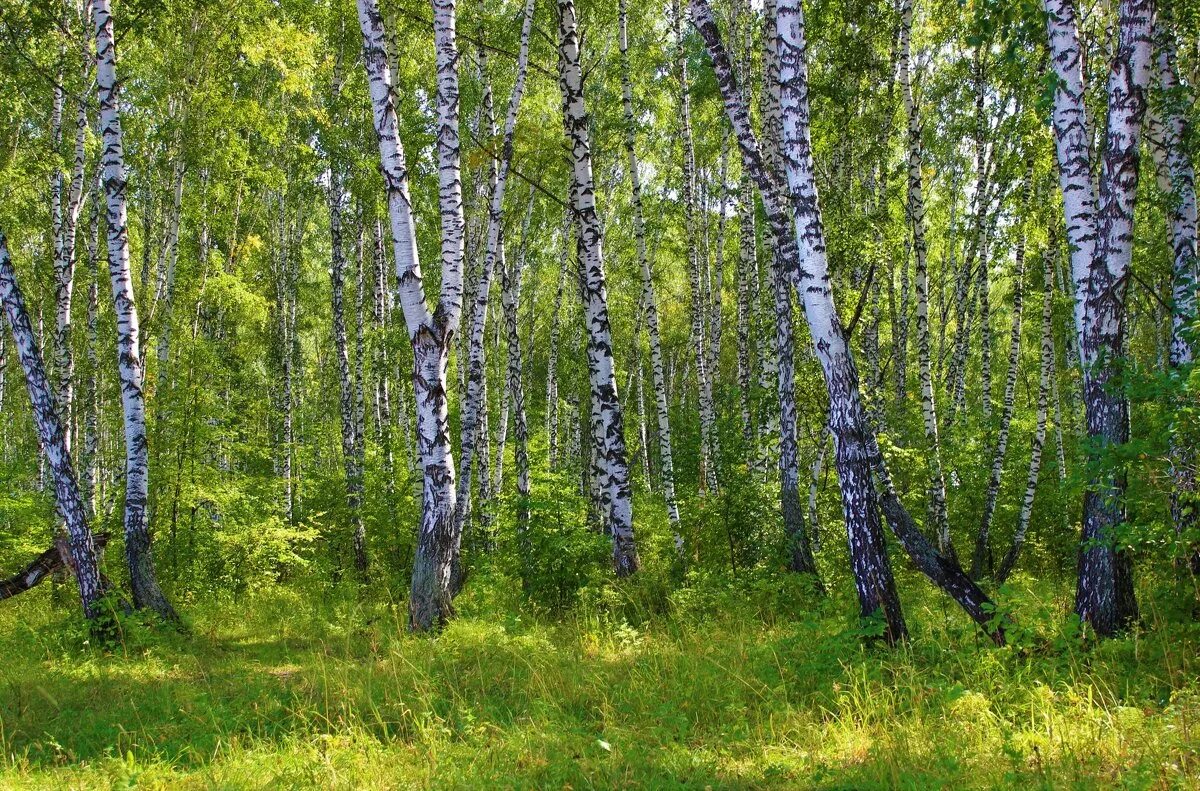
710,285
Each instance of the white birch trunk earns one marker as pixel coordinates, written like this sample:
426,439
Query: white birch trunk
696,259
430,333
64,281
1177,179
607,420
475,402
52,437
138,554
1045,377
649,297
982,562
856,451
937,515
341,348
552,361
1101,240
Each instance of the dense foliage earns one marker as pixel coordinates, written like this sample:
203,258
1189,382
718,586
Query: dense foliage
284,422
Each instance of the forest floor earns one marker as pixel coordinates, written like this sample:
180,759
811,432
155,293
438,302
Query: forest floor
276,692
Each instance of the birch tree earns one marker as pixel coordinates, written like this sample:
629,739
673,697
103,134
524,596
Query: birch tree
649,297
430,332
1177,179
606,420
52,436
1099,234
857,455
475,400
1046,374
982,561
916,217
138,553
351,434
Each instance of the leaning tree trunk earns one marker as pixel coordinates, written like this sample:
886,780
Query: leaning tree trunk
982,561
138,553
649,298
429,332
791,508
1101,240
856,451
938,517
1043,402
81,547
606,418
341,350
868,555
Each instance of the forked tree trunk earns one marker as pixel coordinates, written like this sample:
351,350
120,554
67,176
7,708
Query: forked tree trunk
138,554
431,333
606,418
1100,237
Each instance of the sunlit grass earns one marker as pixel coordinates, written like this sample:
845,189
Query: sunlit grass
279,692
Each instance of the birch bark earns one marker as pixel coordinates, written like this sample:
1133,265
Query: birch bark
138,552
606,418
52,437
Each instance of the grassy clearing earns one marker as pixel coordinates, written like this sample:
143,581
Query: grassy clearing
279,693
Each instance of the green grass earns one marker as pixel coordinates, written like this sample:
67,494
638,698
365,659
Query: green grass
278,692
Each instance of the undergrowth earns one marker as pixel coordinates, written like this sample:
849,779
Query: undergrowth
715,685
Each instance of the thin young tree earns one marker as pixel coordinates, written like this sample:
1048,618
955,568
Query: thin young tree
938,517
1046,374
346,400
475,401
607,422
982,561
649,297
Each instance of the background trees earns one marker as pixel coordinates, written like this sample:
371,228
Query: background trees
311,383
